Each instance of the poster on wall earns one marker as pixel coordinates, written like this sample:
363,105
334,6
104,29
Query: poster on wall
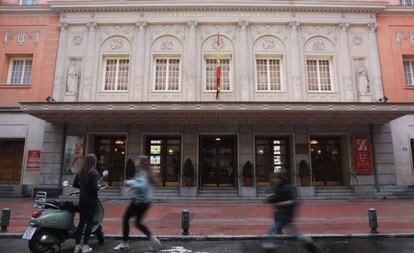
74,148
362,154
33,160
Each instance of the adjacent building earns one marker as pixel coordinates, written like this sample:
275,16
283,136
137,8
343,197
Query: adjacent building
396,46
29,39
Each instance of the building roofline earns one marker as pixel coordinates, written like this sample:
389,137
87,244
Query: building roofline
217,5
27,10
397,10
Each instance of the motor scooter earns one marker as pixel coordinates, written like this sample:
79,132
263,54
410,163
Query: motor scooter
53,222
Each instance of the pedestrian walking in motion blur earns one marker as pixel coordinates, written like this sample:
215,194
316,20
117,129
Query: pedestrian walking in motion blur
284,198
141,192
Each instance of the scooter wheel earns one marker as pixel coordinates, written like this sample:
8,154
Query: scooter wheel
100,235
36,246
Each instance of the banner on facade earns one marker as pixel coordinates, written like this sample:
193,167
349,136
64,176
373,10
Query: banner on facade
33,160
362,154
73,155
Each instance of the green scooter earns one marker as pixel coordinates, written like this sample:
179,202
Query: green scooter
53,222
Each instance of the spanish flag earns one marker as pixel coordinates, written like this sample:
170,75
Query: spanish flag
218,67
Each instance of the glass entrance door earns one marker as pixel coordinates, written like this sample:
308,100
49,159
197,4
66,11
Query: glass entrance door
165,157
11,158
218,161
110,152
326,161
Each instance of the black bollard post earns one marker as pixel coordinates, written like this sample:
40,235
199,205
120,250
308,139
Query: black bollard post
373,222
185,222
5,219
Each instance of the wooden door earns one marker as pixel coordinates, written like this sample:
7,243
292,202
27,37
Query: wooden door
11,159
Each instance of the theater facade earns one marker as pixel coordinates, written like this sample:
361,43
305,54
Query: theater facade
298,93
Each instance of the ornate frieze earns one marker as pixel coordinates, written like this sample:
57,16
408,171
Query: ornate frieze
108,31
212,30
167,43
156,31
21,37
401,36
263,30
323,31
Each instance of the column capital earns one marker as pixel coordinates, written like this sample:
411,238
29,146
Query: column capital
343,26
91,26
372,26
294,25
141,25
192,24
62,26
243,24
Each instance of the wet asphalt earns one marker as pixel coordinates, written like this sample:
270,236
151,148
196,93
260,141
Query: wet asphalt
332,245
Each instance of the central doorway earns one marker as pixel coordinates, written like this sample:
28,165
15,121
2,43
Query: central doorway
218,161
11,158
327,165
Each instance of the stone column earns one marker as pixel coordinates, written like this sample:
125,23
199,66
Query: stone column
89,63
295,63
59,82
244,66
374,63
139,64
346,70
191,59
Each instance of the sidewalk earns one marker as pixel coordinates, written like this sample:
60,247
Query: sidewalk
237,218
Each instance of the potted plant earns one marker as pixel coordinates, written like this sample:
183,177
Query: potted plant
304,173
188,173
247,173
129,169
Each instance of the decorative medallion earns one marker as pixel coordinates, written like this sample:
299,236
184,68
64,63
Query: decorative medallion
268,44
318,45
167,45
116,44
357,40
77,38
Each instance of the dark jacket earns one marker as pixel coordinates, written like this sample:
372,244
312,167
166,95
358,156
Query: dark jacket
89,191
282,192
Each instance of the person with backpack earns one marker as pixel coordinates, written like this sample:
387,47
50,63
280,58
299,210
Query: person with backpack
141,191
284,198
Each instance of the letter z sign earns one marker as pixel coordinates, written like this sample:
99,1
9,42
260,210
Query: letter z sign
362,155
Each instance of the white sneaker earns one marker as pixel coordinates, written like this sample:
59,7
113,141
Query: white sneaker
122,246
86,249
155,241
78,248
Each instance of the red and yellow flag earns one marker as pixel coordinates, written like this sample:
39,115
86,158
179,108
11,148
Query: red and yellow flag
218,67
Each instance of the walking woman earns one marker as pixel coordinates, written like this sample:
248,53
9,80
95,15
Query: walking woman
141,190
87,181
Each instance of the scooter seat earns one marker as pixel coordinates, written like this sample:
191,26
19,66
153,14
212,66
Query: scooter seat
62,205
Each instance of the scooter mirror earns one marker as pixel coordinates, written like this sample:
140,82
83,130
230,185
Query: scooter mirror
105,173
65,183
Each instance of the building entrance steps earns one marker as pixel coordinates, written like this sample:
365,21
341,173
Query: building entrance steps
245,218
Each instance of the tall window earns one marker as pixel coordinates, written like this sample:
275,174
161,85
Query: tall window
28,2
409,71
407,2
116,74
319,74
211,67
268,74
167,74
20,71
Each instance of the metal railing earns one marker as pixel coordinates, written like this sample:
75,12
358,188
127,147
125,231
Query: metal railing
407,2
19,2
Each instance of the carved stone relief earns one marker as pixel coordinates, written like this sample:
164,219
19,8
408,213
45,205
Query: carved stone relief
211,30
362,76
268,44
125,31
167,44
275,30
77,39
325,31
156,31
401,36
73,76
21,36
117,44
210,45
319,44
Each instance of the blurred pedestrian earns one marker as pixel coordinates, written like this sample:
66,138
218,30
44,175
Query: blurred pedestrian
141,191
284,198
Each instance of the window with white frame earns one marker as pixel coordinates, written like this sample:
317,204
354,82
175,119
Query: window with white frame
319,74
28,2
167,74
20,71
409,71
407,2
268,74
116,74
211,71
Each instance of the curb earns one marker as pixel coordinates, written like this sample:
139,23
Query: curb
241,237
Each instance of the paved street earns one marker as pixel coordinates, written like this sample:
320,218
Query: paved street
238,218
377,245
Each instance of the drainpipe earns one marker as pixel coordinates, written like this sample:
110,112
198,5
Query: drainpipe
62,159
374,163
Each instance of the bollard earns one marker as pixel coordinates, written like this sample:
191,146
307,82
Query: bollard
5,219
373,223
185,222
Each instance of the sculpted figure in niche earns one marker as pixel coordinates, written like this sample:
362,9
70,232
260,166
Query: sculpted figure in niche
73,79
363,81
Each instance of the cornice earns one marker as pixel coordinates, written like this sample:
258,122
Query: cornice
397,10
229,5
26,10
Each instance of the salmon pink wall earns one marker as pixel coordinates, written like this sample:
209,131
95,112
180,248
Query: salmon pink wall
43,50
391,56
